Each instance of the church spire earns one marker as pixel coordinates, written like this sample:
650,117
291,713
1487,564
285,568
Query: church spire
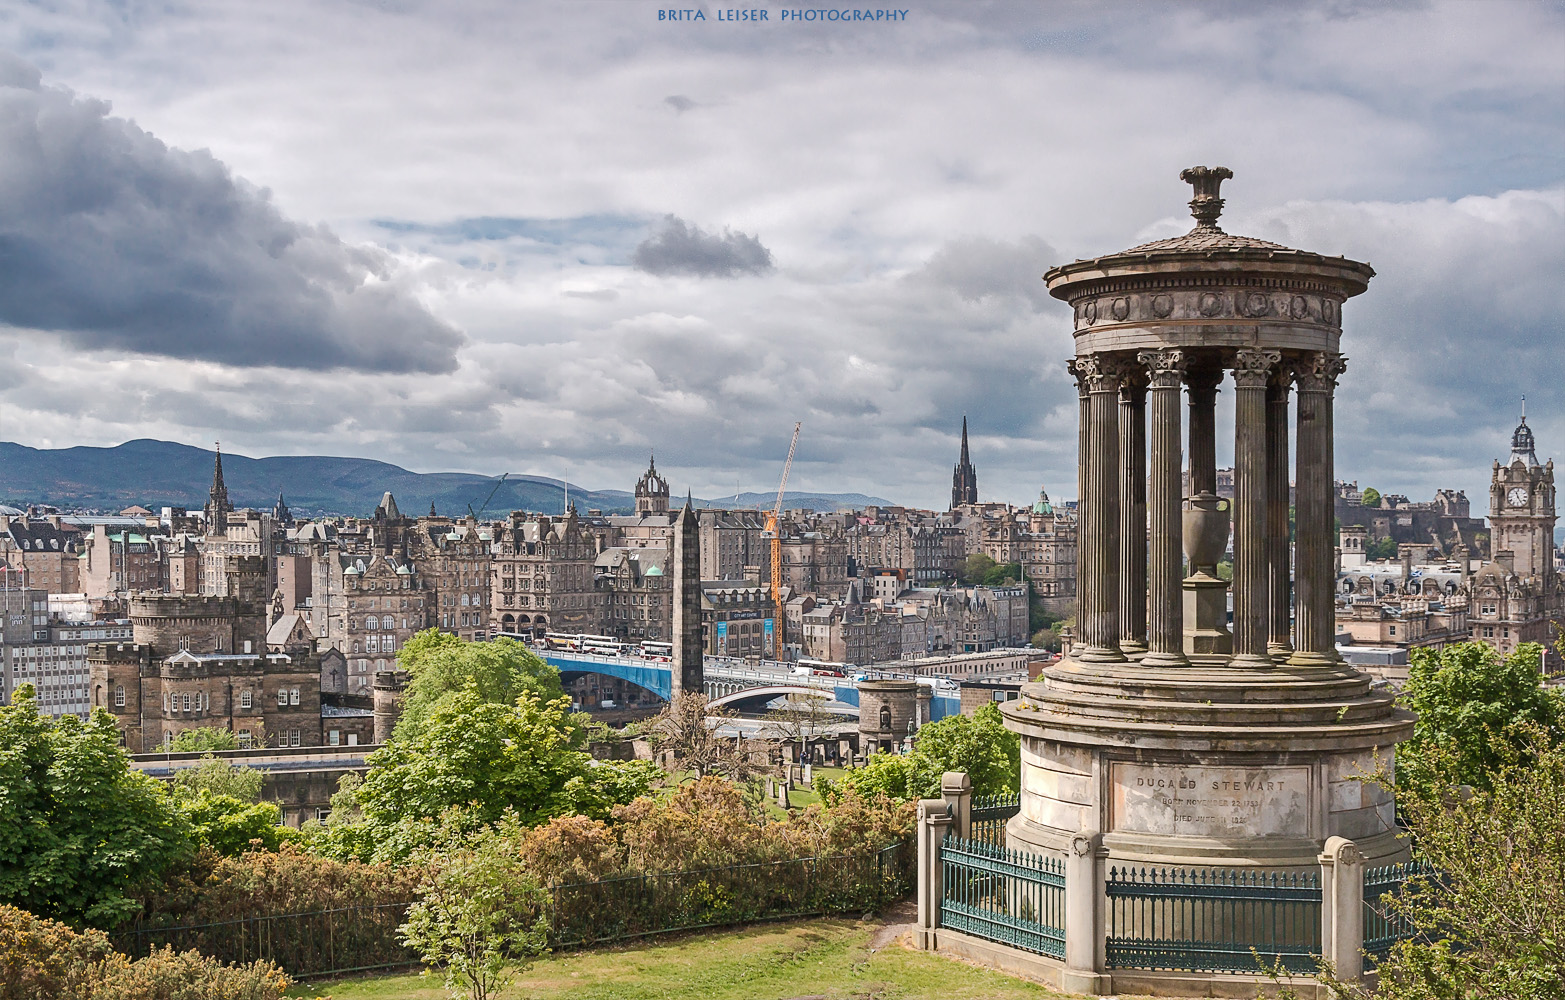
217,505
964,480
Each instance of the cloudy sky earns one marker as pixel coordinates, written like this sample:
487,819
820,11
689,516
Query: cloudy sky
547,237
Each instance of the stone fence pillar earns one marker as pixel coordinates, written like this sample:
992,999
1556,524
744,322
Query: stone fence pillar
934,822
956,790
1342,907
1085,863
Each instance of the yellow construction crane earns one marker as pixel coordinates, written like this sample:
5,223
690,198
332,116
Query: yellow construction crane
773,527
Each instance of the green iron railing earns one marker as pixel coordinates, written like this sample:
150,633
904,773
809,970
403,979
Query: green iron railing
363,938
316,943
1384,926
1206,920
1012,897
989,815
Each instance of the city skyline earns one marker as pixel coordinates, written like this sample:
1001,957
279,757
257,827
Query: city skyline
593,234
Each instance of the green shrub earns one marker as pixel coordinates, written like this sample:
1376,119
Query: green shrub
43,959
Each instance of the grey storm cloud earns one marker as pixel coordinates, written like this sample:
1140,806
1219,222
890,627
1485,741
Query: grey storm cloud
976,268
681,248
117,241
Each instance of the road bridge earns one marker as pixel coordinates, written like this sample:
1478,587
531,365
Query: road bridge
730,682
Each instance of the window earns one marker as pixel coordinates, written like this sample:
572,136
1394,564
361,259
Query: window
246,700
282,696
353,739
1391,630
293,699
244,739
119,696
293,737
333,737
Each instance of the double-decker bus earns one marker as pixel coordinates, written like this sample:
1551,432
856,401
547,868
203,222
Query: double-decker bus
657,650
602,645
822,668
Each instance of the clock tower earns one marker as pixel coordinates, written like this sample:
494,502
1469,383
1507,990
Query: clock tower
1517,597
1521,509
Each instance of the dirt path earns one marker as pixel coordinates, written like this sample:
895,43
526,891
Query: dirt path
899,921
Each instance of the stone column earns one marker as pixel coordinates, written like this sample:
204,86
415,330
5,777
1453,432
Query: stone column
1098,542
1165,631
1252,370
1084,916
1315,631
933,823
1133,513
1279,598
1342,907
1202,384
956,789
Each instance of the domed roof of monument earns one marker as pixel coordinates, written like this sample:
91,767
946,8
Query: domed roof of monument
1207,249
1205,207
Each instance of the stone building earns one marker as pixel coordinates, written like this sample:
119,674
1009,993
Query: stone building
455,561
46,550
201,661
734,545
636,590
543,576
738,619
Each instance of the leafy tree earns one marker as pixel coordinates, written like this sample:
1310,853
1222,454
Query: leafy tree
1477,709
203,739
484,759
82,832
480,914
1494,925
1003,574
1371,497
974,568
231,826
1381,548
221,777
979,744
444,667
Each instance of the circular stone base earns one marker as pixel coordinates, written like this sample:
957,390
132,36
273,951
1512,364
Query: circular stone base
1207,765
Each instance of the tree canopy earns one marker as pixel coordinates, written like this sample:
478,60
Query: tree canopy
979,745
203,739
1491,923
444,667
1371,497
484,759
82,831
1478,708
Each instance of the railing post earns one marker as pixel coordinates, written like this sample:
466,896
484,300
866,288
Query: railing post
1342,907
1084,911
956,789
934,822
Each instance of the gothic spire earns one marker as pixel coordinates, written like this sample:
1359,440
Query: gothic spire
964,480
965,460
217,506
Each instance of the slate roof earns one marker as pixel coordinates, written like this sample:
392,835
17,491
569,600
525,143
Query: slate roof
1203,238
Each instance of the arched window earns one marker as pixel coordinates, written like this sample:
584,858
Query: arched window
119,696
885,718
464,600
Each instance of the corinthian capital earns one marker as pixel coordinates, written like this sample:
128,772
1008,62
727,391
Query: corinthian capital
1318,371
1096,372
1165,369
1253,368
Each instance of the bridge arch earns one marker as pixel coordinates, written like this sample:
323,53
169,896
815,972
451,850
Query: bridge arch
756,698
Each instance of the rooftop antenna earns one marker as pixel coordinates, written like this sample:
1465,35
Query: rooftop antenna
1524,407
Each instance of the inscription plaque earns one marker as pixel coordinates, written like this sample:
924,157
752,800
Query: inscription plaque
1176,800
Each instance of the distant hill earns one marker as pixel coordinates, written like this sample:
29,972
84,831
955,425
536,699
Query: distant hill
162,473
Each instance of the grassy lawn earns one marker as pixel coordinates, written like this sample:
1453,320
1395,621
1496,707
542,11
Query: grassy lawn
825,957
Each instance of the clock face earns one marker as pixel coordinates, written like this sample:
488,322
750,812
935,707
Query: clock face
1517,497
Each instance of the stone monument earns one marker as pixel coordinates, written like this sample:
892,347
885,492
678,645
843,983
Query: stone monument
1162,737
